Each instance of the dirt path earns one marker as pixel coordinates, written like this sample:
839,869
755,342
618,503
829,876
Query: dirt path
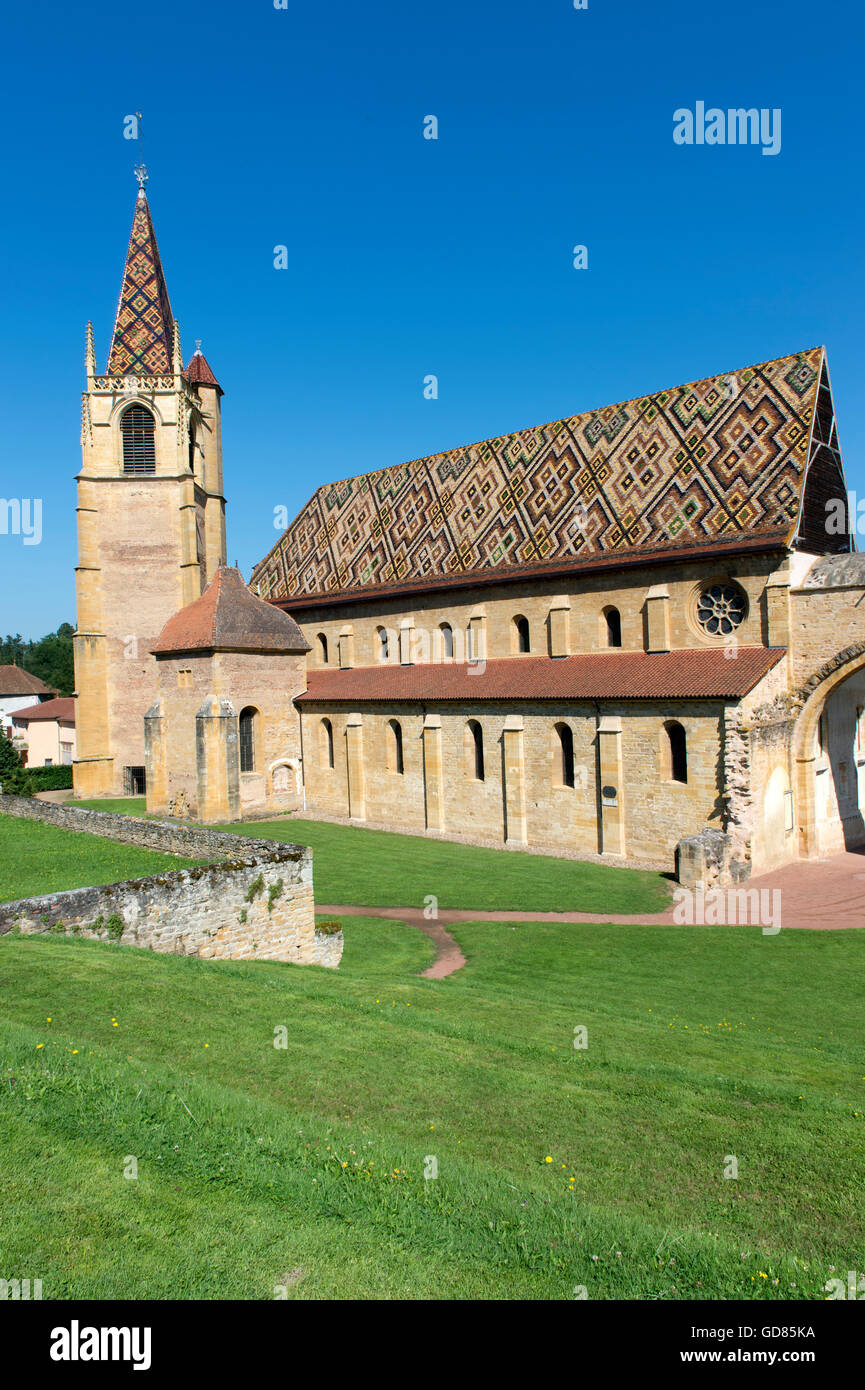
816,895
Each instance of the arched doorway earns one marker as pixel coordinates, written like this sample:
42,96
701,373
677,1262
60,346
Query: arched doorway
829,759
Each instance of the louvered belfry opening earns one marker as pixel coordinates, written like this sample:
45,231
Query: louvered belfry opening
139,441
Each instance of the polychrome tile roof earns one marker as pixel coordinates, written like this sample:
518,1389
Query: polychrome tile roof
141,343
686,468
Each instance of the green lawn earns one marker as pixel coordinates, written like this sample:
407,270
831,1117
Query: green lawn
303,1167
36,858
377,868
119,805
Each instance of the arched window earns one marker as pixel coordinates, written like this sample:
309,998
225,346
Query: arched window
475,749
521,634
383,644
138,436
321,648
564,749
611,627
447,641
247,723
326,743
677,751
192,448
394,746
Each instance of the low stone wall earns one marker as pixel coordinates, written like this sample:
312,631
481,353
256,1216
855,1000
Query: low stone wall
255,903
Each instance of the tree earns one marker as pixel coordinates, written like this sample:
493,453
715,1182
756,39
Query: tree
50,658
13,776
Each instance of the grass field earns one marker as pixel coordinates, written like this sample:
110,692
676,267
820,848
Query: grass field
36,858
302,1167
376,868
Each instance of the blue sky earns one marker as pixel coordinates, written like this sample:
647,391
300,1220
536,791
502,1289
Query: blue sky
407,256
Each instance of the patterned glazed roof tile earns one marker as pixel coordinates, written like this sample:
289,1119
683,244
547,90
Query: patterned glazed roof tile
681,675
466,579
141,344
15,681
227,617
690,467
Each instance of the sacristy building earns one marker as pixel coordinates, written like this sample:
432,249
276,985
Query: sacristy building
607,635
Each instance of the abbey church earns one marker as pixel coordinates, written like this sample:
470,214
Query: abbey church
629,633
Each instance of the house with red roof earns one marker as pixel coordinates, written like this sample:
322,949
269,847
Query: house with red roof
18,689
45,732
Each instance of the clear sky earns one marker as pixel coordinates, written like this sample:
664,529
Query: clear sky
407,257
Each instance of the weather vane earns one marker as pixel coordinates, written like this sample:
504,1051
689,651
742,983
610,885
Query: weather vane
141,168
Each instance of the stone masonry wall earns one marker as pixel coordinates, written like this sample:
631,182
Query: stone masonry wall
656,811
256,903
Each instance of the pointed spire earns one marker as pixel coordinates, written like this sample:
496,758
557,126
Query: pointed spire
142,341
199,371
176,355
90,353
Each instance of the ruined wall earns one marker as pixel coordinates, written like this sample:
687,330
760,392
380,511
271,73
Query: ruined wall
256,903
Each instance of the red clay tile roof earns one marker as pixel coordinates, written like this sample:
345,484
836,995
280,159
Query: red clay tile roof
693,674
227,617
62,709
15,681
199,372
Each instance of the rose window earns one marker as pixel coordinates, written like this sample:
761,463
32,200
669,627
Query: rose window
721,608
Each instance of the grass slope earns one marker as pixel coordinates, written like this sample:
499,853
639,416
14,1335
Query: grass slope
36,858
302,1167
379,868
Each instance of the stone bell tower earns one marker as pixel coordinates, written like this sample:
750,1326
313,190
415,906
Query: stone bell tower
151,514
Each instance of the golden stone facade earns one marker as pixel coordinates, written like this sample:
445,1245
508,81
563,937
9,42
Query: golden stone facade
615,695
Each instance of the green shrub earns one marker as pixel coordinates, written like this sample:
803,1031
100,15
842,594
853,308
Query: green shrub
329,927
115,925
50,779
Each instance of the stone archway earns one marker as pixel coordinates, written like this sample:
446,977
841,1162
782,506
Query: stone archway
811,763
